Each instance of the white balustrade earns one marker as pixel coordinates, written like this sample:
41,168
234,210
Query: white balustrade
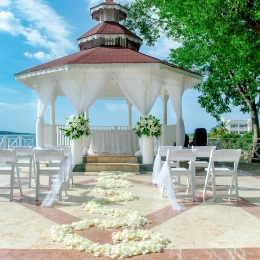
64,140
17,140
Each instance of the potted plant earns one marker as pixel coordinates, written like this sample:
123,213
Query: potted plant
147,128
76,127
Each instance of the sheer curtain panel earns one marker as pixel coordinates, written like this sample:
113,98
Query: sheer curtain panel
175,94
45,89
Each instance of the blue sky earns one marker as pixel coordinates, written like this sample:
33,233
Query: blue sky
36,31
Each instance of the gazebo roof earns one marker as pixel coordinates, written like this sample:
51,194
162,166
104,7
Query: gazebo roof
103,55
109,27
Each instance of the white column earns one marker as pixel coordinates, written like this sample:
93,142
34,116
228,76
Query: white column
52,121
40,129
129,108
86,141
164,117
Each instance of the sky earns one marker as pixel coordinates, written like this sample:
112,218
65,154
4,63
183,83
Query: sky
33,32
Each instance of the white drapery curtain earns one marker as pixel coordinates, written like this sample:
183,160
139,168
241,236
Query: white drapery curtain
153,91
131,85
45,89
83,96
143,99
175,94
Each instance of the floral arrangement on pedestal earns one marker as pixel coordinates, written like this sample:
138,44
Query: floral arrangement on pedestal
148,126
76,126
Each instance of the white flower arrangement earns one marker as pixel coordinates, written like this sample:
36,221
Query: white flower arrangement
149,126
76,126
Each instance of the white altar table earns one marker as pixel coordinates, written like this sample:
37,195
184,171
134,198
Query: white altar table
114,142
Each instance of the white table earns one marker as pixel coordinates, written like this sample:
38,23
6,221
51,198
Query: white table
114,142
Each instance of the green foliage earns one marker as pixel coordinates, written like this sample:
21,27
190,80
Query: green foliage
76,126
220,40
248,135
231,135
149,126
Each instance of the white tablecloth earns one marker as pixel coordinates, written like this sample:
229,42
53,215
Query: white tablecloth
114,142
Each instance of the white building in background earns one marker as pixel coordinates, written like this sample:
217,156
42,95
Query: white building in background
238,126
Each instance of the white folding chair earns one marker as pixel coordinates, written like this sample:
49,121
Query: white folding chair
218,156
45,156
67,154
162,152
183,156
203,153
8,157
24,155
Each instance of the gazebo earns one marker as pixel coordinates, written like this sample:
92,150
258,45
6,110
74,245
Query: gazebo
109,66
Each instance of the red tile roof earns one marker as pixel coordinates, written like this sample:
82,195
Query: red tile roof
102,55
106,3
109,28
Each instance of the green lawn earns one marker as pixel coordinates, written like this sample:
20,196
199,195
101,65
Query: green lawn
253,168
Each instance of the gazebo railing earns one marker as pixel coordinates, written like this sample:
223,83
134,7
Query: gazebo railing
64,140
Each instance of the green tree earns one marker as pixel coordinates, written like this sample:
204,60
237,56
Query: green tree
213,132
222,128
220,40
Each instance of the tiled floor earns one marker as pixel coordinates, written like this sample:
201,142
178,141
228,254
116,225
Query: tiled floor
205,230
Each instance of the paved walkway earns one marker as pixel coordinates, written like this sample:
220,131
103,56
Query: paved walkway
205,230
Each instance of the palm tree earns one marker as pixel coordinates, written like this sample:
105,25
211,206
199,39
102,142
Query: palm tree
214,132
222,128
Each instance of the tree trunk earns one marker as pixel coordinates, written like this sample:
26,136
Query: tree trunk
255,129
255,158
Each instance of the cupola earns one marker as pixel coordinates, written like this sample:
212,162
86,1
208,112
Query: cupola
109,32
108,11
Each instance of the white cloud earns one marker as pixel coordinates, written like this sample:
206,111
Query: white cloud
39,55
115,107
5,3
9,23
161,49
48,31
9,106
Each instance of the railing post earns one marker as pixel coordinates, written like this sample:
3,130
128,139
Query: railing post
4,142
20,138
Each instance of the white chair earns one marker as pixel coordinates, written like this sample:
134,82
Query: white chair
44,156
218,156
8,157
203,153
162,152
181,156
67,154
24,155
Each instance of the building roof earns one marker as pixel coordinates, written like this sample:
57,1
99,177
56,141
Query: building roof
109,28
105,3
102,55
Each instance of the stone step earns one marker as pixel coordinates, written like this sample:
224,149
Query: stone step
125,167
112,159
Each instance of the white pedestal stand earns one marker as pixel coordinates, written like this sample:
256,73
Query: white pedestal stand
77,150
148,149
